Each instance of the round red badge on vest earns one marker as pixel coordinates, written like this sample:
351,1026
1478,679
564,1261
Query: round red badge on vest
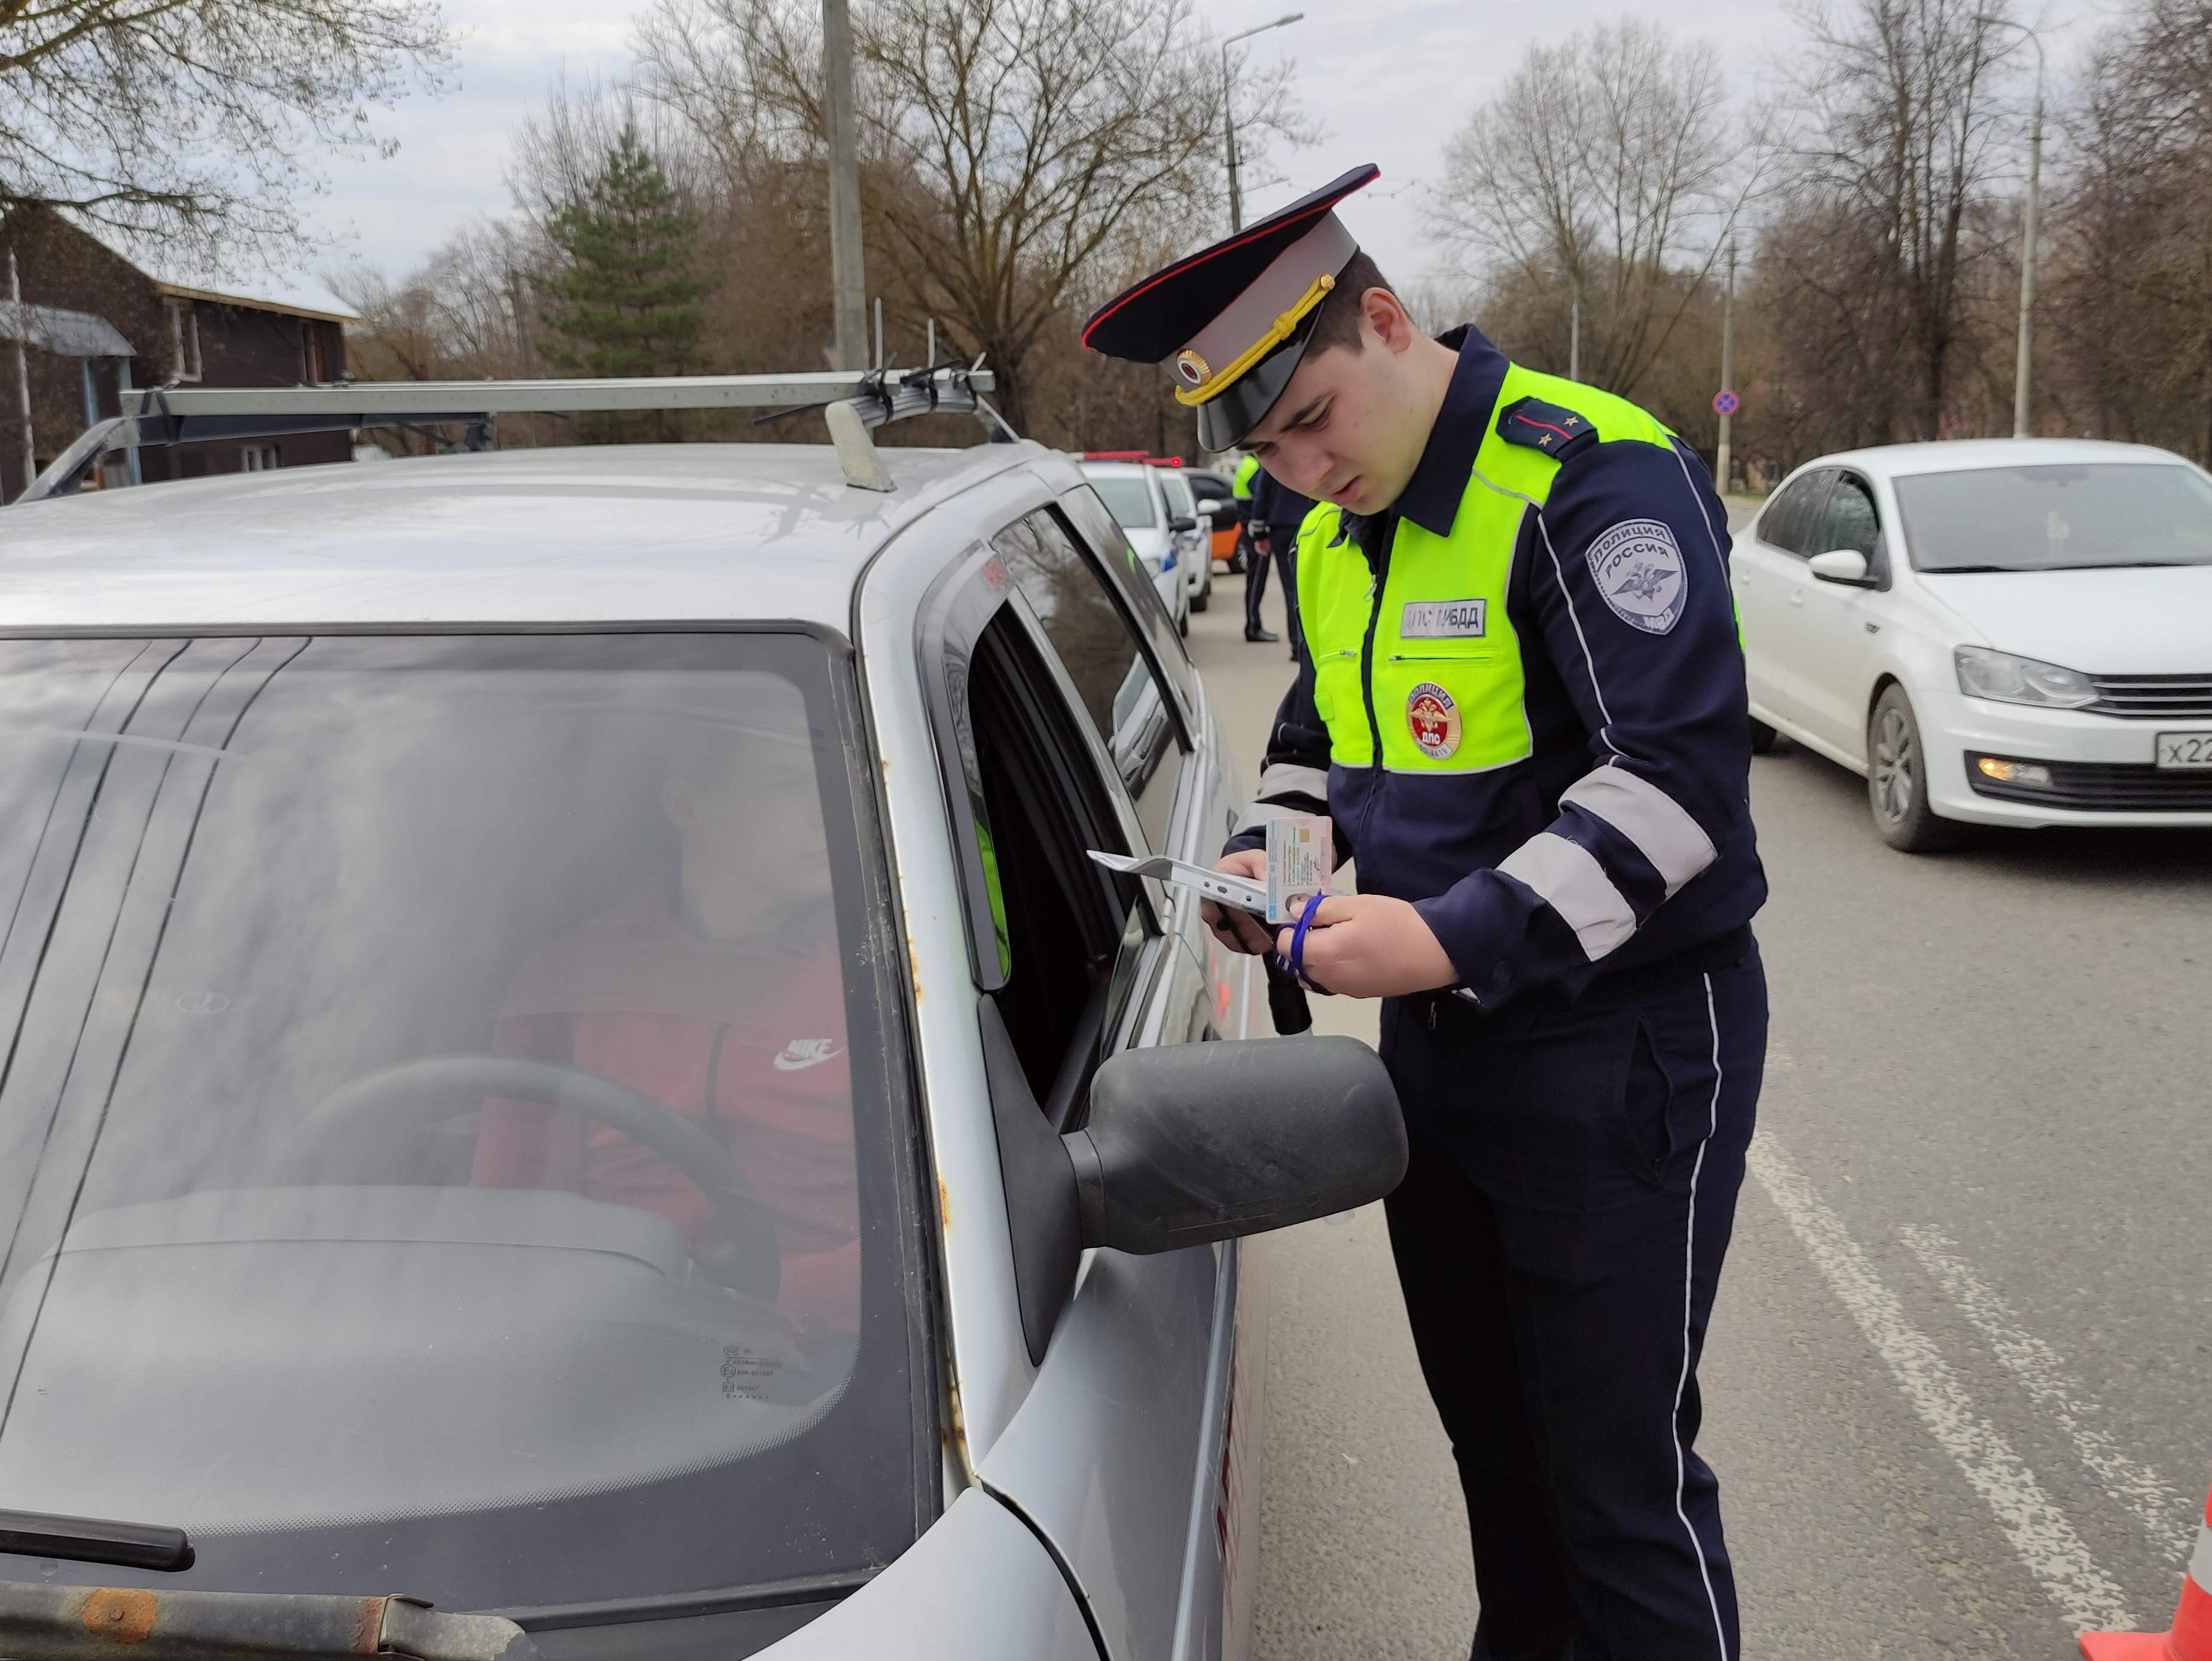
1434,719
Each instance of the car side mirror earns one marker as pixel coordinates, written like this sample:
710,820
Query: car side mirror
1209,507
1182,522
1846,566
1188,1144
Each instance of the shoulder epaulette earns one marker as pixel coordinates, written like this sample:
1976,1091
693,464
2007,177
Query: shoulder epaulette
1558,433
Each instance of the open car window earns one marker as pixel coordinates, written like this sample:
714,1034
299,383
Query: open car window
449,1143
1075,934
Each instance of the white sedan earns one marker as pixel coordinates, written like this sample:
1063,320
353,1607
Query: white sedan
2001,631
1155,511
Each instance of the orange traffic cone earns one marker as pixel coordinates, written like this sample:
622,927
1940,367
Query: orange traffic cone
2191,1637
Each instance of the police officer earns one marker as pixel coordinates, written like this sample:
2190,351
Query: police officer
1255,564
1277,512
1523,705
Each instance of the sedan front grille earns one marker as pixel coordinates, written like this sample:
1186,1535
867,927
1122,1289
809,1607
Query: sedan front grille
2105,788
2152,697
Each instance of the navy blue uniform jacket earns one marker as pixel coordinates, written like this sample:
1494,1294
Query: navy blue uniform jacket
1625,835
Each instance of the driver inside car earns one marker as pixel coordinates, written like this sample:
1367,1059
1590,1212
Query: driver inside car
716,989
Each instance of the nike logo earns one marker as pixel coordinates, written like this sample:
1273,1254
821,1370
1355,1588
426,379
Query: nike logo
805,1052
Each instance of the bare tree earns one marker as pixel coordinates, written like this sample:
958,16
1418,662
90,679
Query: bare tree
1891,175
2128,293
194,124
1608,166
1010,147
557,152
466,314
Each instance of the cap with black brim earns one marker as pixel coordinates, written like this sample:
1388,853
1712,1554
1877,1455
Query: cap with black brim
1231,322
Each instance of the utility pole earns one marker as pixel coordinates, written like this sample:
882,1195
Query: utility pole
2023,367
2024,360
848,284
22,368
1721,456
1575,332
1228,116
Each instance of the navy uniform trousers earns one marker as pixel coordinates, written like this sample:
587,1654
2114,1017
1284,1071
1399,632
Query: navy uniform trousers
1559,1237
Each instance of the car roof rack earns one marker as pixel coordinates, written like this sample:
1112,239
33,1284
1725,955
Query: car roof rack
853,404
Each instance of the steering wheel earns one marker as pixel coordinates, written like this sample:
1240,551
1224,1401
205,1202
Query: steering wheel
426,1089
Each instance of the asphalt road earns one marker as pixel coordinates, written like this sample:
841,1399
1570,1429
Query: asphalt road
1959,1384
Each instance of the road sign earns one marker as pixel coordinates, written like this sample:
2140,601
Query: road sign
1726,402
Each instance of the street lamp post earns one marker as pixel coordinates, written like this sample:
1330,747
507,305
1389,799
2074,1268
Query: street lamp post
2024,362
1229,115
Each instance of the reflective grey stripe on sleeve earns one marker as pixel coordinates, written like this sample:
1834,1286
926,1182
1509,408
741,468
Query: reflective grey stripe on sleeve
1664,832
1286,779
2200,1560
1568,880
1261,812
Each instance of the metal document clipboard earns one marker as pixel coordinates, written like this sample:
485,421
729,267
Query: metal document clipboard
1241,892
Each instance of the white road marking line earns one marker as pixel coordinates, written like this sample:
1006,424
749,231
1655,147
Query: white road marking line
2155,1503
2045,1541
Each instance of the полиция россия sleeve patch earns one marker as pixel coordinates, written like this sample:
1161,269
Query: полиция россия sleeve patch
1640,573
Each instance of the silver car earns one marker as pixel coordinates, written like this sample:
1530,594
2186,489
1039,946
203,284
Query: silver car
566,1060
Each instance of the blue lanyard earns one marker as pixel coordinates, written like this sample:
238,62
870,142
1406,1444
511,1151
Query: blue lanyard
1297,964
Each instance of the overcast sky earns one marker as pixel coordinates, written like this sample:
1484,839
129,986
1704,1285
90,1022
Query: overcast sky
1391,79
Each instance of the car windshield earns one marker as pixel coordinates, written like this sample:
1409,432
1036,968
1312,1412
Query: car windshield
1129,500
445,1145
2058,517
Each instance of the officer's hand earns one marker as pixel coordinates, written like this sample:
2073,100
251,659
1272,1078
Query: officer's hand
1370,945
1240,931
1260,546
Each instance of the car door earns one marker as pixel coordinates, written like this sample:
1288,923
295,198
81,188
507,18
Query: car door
1836,628
1210,800
1121,1454
1768,568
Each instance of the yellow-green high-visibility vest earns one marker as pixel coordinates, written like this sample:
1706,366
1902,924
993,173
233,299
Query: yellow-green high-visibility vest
1240,482
1429,668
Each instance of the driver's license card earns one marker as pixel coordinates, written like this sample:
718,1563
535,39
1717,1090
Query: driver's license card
1301,860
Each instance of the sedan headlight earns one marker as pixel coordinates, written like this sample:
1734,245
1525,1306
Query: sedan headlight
1986,674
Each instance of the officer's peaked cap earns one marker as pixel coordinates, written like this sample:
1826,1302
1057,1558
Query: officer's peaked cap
1230,322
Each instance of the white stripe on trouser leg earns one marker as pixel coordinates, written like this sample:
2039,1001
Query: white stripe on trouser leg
1567,877
1689,1300
1664,832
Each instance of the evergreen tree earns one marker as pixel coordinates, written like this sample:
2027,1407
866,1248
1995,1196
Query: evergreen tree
629,298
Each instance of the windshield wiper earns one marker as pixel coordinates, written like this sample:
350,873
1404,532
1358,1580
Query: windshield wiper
93,1540
83,1623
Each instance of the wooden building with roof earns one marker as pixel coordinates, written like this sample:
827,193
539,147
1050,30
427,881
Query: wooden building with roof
91,324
